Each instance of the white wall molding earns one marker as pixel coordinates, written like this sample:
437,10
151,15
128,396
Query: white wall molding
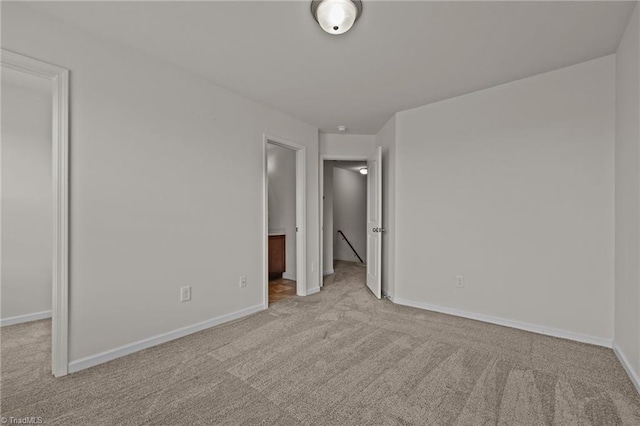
313,290
634,376
301,214
328,272
19,319
627,208
59,80
102,357
539,329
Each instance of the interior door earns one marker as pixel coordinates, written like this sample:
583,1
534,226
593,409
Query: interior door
374,223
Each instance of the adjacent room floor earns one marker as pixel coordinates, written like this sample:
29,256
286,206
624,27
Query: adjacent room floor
339,357
280,289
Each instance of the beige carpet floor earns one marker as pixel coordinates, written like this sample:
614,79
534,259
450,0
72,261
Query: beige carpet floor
339,357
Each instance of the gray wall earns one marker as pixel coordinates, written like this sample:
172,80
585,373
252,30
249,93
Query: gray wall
166,188
513,188
27,204
354,146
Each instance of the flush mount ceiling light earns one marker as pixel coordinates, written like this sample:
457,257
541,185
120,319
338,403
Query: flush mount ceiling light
363,171
336,16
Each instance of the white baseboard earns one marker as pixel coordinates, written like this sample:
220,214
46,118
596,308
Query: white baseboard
328,272
633,375
25,318
111,354
387,295
584,338
289,276
313,290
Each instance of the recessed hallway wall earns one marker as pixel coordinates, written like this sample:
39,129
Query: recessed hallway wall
627,266
349,213
27,196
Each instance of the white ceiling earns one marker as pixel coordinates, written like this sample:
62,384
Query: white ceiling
399,55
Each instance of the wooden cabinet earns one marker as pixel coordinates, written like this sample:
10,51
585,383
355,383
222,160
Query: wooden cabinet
277,256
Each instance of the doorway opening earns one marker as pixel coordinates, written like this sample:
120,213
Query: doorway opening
344,214
34,201
285,222
351,216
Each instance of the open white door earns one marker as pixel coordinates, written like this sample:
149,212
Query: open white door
374,223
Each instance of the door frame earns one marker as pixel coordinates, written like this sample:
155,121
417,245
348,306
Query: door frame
59,79
301,214
323,158
374,227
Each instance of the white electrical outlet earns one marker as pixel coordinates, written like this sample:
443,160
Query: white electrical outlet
185,294
459,281
313,266
243,282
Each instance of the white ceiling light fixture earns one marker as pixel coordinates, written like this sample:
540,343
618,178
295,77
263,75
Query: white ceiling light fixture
363,171
336,16
342,129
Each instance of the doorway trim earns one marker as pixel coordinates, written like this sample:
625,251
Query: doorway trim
301,214
59,78
323,158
